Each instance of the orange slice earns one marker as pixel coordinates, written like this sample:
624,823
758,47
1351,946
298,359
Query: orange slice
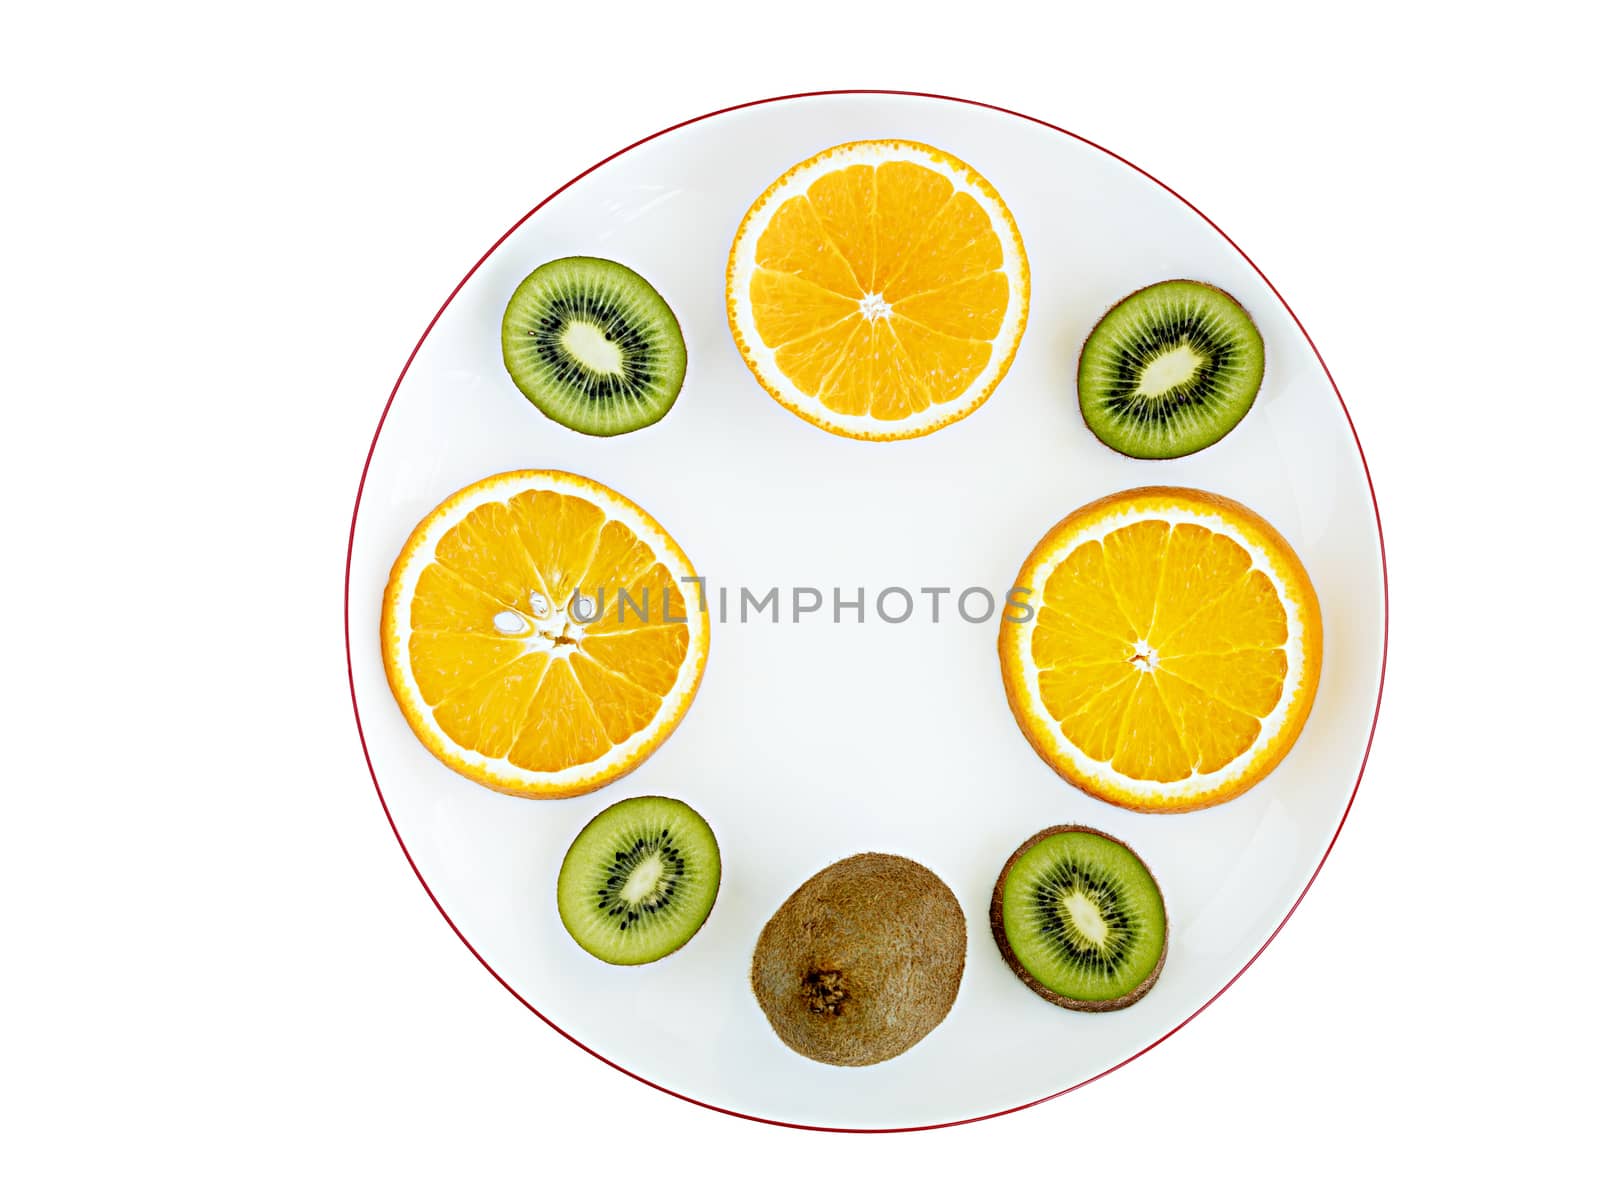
1174,650
539,634
879,289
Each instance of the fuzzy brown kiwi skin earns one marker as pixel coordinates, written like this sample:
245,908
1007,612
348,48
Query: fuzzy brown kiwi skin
862,962
1077,370
997,924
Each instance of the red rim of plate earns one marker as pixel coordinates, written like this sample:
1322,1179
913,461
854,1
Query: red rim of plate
350,554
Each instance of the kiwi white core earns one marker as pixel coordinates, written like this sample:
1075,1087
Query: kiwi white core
1085,914
589,345
643,880
1170,369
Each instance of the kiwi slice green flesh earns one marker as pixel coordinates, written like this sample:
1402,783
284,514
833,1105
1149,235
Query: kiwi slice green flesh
594,346
639,880
1080,919
1170,370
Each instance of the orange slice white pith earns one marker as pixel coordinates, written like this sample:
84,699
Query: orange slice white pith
537,634
879,289
1174,652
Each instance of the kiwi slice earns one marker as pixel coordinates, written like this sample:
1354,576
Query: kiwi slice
862,962
593,346
1170,370
1079,918
639,880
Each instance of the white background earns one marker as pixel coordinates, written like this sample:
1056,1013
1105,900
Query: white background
224,233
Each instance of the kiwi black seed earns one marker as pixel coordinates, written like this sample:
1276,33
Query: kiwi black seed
594,346
1080,919
1170,370
862,962
639,880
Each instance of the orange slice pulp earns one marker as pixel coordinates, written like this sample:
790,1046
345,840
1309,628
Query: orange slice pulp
879,289
1174,652
538,634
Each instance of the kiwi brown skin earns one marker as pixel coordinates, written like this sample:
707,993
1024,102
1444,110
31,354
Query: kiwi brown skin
997,925
862,962
1078,367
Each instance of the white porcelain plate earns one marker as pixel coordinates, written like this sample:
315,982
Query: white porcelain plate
812,740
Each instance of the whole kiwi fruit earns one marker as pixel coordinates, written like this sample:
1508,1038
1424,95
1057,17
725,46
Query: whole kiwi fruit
862,962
